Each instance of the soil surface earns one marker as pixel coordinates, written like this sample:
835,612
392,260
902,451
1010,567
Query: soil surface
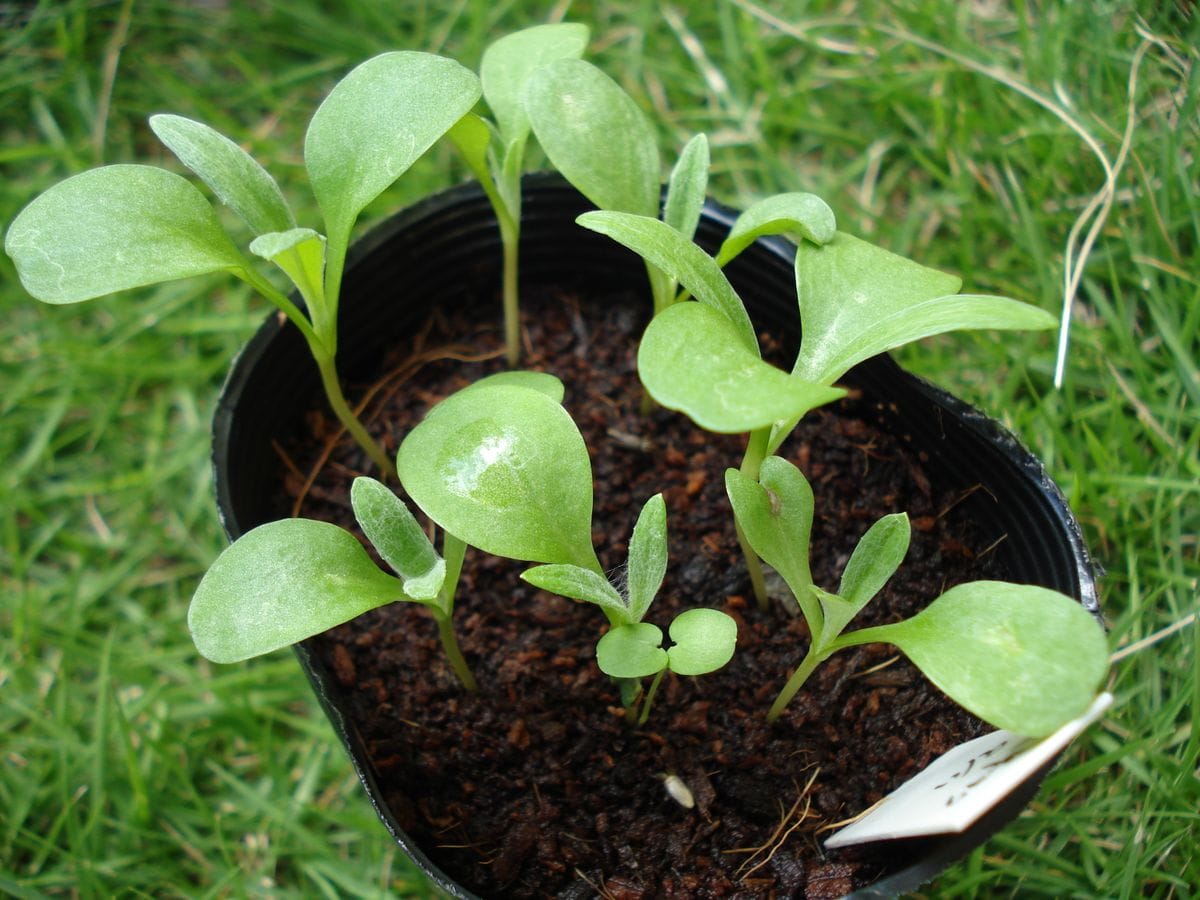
536,786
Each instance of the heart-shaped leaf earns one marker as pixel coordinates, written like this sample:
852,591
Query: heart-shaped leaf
858,300
505,469
508,62
580,584
375,123
281,583
233,174
595,135
703,641
794,213
1024,658
395,533
670,252
691,360
631,651
647,556
115,228
687,186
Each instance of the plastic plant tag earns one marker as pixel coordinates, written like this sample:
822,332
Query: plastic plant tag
956,789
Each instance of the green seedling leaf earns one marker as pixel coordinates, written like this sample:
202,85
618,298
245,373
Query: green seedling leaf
1026,659
669,251
691,360
875,559
595,135
631,651
509,61
543,382
580,584
395,533
115,228
375,123
505,469
858,300
281,583
471,136
300,253
687,187
233,174
775,514
704,640
806,215
647,556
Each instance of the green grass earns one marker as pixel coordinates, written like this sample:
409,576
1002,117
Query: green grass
131,768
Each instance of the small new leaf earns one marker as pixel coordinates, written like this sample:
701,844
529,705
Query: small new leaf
395,533
115,228
687,187
631,651
300,253
281,583
806,215
703,641
691,360
230,172
647,556
875,559
580,584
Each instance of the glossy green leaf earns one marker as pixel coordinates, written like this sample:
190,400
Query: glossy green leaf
1026,659
281,583
703,641
806,215
395,533
115,228
595,135
631,651
505,469
668,250
508,62
375,123
691,360
230,172
300,253
647,556
775,514
580,584
687,186
543,382
858,300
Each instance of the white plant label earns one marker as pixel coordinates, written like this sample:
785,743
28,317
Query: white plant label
957,788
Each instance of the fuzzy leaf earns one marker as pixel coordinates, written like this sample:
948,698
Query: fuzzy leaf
691,360
631,651
509,61
875,559
687,186
579,584
858,300
668,250
375,123
395,533
115,228
775,515
794,213
595,135
704,640
230,172
1026,659
542,382
647,556
281,583
300,253
505,469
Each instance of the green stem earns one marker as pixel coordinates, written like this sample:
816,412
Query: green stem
796,681
345,415
510,237
649,698
752,460
445,625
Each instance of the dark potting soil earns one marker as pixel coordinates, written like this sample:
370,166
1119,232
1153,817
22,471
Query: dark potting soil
536,786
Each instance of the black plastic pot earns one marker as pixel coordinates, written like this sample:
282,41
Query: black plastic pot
446,250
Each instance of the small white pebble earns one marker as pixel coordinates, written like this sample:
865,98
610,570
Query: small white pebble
679,791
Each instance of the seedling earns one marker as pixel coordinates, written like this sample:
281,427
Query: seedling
856,300
289,580
126,226
503,466
1023,658
495,151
